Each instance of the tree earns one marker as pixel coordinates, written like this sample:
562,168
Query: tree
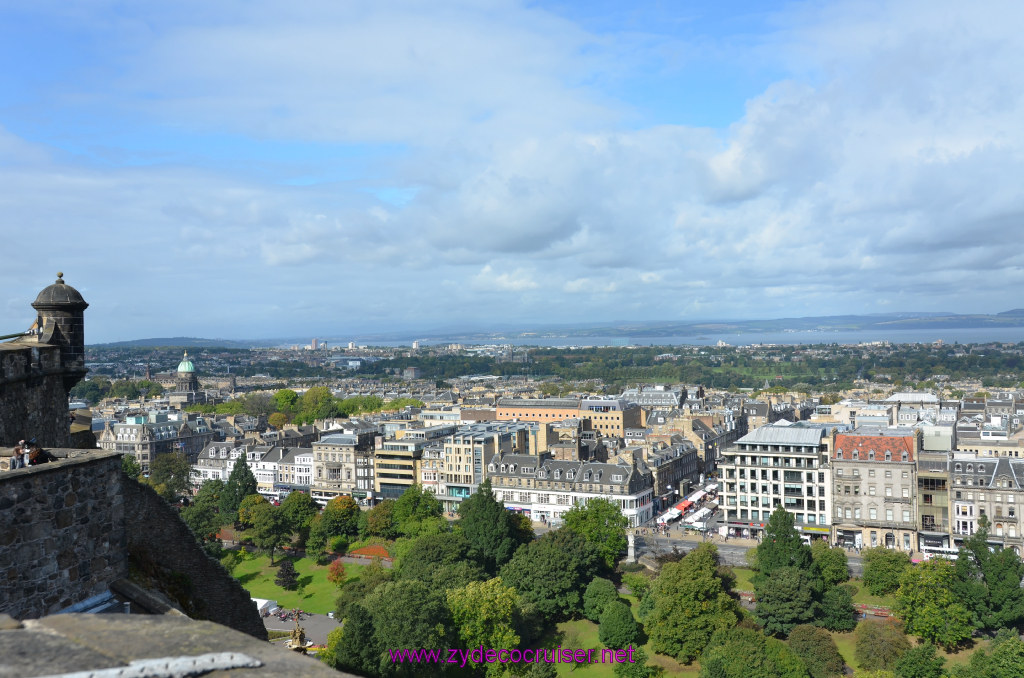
356,590
879,644
929,610
987,581
336,573
354,647
241,483
131,466
818,650
202,517
602,524
246,508
431,555
340,517
269,528
637,668
380,520
299,510
882,570
781,545
286,401
408,614
490,529
1003,659
170,475
745,653
617,629
920,662
690,605
286,577
316,403
550,572
787,598
831,562
600,592
837,611
486,613
277,420
414,508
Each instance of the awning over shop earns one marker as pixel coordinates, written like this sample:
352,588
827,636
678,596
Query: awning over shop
697,496
684,506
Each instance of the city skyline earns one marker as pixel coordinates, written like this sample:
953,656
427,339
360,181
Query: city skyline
247,169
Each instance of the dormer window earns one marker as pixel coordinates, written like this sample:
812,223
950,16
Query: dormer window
906,456
558,473
839,453
888,455
871,455
856,454
504,468
490,467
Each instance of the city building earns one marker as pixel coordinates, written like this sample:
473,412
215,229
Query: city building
876,488
778,465
545,489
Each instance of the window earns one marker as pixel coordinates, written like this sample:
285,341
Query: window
906,516
873,513
888,515
906,474
839,472
906,493
847,514
856,513
871,473
871,490
888,491
888,474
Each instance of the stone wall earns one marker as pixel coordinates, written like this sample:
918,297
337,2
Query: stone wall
165,556
70,528
33,402
62,533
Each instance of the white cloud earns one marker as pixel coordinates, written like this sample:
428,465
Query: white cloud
884,166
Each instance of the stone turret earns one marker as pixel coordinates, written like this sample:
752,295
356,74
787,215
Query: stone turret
61,323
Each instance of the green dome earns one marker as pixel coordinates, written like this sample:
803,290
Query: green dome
186,365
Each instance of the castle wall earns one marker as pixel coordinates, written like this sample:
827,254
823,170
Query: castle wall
70,528
33,402
62,533
165,556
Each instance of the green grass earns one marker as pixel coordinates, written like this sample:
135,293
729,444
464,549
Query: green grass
865,598
743,577
315,593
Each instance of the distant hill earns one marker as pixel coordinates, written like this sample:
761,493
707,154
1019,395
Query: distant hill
183,342
876,322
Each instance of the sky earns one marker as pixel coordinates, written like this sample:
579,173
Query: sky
260,168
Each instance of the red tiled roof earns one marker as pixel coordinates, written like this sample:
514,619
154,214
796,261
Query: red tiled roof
897,445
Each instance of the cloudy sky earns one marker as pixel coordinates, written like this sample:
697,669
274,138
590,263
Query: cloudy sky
258,168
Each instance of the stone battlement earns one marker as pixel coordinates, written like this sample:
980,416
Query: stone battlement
71,528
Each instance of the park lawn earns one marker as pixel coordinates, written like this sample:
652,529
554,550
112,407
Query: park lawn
865,598
743,579
315,594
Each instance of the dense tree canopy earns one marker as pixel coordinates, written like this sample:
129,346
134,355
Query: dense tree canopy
818,650
878,645
601,522
929,609
552,571
787,598
170,475
241,483
745,653
882,570
781,545
492,531
690,605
